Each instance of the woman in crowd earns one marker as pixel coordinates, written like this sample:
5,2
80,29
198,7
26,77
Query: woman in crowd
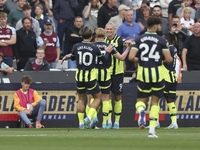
145,13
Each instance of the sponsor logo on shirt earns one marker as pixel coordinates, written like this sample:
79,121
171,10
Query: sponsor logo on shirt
5,36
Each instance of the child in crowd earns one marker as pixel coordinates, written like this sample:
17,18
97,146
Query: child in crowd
4,67
186,21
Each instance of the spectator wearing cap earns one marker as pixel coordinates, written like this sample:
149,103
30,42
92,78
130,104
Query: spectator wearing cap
34,23
40,17
120,18
51,44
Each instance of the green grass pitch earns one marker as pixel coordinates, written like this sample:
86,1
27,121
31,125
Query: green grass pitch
99,139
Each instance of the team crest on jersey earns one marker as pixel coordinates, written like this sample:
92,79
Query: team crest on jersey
54,39
7,31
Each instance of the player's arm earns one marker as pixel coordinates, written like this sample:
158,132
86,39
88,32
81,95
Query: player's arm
132,55
184,53
66,57
168,57
105,57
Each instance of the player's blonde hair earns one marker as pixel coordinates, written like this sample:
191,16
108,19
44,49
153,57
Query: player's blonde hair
110,24
187,9
100,32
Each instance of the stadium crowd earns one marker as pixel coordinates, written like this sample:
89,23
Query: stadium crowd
49,29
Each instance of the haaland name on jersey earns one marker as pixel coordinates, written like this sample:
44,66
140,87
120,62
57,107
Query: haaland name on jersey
149,38
84,47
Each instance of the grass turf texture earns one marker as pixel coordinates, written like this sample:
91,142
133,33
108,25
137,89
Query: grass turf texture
122,139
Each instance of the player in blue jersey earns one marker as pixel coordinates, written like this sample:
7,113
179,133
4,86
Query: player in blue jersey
151,49
104,75
85,55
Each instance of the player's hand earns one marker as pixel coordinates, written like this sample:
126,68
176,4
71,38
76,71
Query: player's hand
185,67
128,43
109,48
64,58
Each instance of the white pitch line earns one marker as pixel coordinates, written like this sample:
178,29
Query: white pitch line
22,135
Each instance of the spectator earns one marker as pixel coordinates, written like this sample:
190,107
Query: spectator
36,2
74,37
34,23
173,7
11,5
107,11
28,103
138,13
90,13
165,26
51,44
7,39
190,54
180,34
164,5
180,11
26,44
4,67
129,30
3,8
120,18
197,5
186,21
81,6
197,15
40,17
38,63
15,15
61,8
145,14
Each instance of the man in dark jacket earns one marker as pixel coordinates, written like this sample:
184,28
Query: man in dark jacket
64,13
26,44
73,37
107,11
38,63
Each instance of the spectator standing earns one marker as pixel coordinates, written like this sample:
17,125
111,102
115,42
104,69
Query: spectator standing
145,14
73,37
15,15
38,63
180,34
138,13
81,6
164,5
51,44
28,103
34,23
173,7
40,17
36,2
11,5
197,5
120,18
64,12
190,54
90,13
186,21
3,8
26,44
180,11
107,11
165,26
7,39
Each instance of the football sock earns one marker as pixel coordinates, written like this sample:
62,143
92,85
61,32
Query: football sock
80,118
140,106
118,110
91,113
172,111
110,111
105,111
153,115
87,109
